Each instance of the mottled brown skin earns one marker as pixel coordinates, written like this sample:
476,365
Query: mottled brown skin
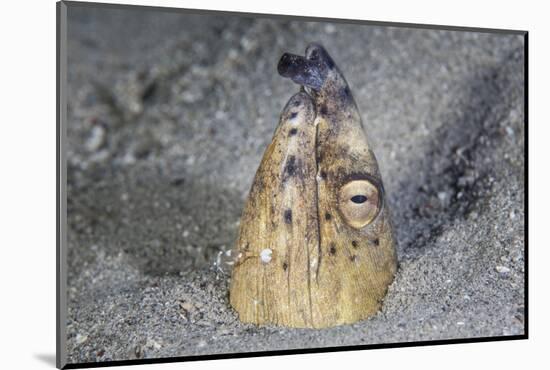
325,268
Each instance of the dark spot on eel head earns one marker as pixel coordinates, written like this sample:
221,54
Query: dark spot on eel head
258,184
323,175
285,266
293,115
332,249
353,258
323,110
328,216
288,216
292,132
354,243
345,93
290,166
330,63
376,242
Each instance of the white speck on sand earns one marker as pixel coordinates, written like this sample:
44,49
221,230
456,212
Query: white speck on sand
80,338
502,269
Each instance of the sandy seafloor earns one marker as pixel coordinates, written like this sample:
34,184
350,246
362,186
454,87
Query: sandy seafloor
169,115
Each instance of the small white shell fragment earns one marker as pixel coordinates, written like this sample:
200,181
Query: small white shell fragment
80,338
330,29
265,255
502,269
218,258
96,139
153,343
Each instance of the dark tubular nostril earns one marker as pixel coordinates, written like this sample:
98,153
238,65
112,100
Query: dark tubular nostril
301,70
313,50
359,199
285,63
318,53
291,65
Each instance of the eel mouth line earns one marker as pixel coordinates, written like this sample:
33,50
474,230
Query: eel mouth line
311,75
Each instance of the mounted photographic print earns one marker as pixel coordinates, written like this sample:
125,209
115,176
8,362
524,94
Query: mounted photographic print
234,184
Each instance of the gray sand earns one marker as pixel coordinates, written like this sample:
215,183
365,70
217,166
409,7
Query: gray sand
169,115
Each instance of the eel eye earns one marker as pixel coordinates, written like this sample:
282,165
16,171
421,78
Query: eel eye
359,202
